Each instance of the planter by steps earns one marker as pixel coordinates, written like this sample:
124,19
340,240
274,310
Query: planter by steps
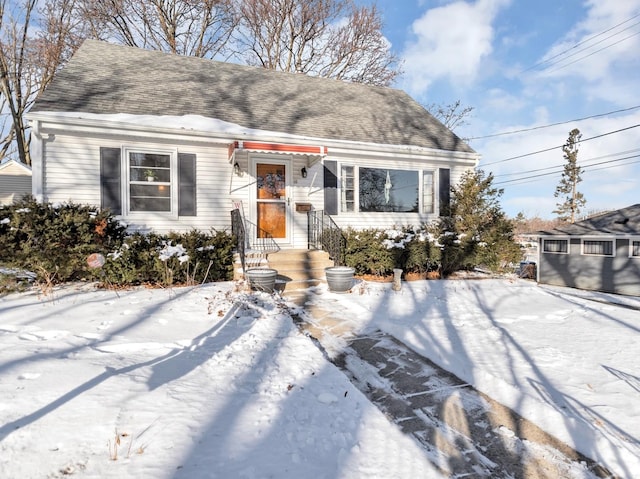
262,279
339,278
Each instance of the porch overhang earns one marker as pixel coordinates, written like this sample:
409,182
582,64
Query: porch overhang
284,148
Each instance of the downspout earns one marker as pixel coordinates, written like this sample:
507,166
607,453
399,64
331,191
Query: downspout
37,163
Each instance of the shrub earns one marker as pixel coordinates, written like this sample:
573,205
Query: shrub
176,258
366,253
54,241
378,252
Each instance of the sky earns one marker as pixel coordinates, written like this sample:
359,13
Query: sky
214,382
524,66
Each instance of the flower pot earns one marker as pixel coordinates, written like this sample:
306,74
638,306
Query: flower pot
262,279
339,278
150,178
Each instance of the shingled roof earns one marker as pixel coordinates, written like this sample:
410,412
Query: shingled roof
102,78
620,222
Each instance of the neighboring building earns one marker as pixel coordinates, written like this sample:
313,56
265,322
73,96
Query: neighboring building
15,181
174,143
601,253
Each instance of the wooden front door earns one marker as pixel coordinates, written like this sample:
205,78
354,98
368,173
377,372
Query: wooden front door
271,199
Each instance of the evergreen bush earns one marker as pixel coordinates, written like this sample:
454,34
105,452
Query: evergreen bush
55,242
378,251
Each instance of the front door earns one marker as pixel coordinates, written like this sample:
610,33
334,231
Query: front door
272,199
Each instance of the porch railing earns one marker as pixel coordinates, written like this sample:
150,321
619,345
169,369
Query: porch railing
326,235
252,243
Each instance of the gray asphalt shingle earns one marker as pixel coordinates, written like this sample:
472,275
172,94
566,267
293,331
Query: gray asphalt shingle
625,221
103,78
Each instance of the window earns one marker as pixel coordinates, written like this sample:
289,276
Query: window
348,189
597,247
150,185
635,248
147,181
427,192
555,246
388,190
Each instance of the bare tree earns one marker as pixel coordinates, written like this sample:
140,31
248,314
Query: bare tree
327,38
452,115
198,28
33,44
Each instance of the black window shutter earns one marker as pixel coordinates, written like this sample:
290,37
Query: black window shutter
444,191
331,187
186,184
110,180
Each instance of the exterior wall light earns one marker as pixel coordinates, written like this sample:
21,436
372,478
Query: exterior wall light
236,169
303,172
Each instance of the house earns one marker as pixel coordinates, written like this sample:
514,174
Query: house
15,181
175,143
601,253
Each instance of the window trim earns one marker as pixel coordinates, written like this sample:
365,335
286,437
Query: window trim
602,239
173,184
356,188
631,240
432,171
556,238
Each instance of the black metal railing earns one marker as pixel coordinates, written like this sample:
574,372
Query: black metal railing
326,235
251,241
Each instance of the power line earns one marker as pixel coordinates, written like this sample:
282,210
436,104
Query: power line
593,45
586,168
556,147
580,43
593,53
554,124
557,166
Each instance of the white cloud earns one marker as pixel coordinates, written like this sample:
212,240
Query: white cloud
450,43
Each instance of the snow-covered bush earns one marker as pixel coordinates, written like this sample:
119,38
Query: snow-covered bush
54,241
379,251
176,258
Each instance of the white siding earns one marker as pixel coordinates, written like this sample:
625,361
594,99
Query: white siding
72,173
15,183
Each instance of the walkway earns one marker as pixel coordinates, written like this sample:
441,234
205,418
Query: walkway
464,432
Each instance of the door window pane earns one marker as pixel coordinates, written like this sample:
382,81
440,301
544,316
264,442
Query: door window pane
270,181
271,219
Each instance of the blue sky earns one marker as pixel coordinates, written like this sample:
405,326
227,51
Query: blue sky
523,65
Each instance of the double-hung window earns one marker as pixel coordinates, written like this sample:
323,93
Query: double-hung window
151,184
348,194
144,180
634,248
428,192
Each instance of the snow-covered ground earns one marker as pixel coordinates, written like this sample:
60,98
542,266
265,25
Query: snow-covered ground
209,381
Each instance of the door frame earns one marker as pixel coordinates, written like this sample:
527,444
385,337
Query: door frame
287,161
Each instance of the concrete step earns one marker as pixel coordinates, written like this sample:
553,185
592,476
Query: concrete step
299,269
